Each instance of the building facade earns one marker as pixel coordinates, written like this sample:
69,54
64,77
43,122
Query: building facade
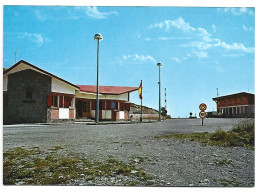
236,105
32,95
114,102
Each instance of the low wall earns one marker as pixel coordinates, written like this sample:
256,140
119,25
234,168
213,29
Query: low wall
145,116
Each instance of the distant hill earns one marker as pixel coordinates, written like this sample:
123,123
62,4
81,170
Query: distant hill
136,109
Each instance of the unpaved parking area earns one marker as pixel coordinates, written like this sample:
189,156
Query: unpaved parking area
170,162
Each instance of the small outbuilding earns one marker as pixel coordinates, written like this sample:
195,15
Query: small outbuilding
236,105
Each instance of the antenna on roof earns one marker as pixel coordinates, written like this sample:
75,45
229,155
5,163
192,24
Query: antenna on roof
15,53
217,92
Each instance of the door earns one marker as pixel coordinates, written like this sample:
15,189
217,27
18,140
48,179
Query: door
100,110
79,108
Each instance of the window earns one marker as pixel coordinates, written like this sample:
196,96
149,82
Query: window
127,107
29,93
114,105
100,105
67,101
54,99
122,106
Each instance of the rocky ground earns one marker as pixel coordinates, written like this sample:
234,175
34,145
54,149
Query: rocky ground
147,160
136,109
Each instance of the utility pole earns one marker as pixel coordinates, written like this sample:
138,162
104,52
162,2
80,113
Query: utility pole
165,104
97,37
15,56
159,65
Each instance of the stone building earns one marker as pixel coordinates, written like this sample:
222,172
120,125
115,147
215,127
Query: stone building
33,95
236,105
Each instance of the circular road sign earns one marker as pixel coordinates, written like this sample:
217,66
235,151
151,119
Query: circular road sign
203,107
202,114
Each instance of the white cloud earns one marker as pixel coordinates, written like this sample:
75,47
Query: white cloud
177,23
181,25
238,11
95,13
204,39
202,45
247,28
137,57
237,47
198,44
214,29
200,54
40,15
173,38
232,55
176,59
35,37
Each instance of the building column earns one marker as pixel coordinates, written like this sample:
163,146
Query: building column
73,105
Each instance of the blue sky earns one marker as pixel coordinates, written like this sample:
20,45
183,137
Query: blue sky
201,49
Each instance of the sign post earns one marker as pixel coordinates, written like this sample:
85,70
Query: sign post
202,113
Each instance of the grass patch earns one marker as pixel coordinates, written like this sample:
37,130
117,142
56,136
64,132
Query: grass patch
35,167
242,134
223,162
232,182
56,148
136,143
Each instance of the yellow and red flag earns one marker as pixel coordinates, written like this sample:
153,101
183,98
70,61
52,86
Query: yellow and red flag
140,91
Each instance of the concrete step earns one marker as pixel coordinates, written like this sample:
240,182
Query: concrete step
84,120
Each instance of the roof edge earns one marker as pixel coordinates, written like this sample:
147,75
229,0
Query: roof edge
33,66
215,98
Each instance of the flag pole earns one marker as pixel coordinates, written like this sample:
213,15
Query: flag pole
141,101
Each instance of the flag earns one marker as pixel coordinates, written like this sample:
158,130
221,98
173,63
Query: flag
140,91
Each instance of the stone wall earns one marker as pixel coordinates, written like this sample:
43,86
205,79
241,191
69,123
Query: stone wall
27,97
145,116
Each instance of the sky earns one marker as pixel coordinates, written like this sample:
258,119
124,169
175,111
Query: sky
200,48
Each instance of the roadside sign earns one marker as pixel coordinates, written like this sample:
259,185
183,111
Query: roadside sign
203,107
202,114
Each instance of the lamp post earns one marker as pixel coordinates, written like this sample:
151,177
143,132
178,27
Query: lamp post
97,37
159,65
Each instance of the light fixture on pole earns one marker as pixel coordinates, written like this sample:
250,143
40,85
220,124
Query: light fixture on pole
97,37
159,65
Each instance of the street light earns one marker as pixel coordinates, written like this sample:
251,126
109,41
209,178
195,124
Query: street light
97,37
159,65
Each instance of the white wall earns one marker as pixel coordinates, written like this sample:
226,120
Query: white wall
121,114
64,113
61,87
5,79
106,114
20,67
122,97
93,113
56,85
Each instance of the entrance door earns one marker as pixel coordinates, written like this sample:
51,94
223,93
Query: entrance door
230,112
79,108
100,110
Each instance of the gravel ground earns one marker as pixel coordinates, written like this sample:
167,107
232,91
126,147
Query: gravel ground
171,162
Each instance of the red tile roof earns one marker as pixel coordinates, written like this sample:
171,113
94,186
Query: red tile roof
113,90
